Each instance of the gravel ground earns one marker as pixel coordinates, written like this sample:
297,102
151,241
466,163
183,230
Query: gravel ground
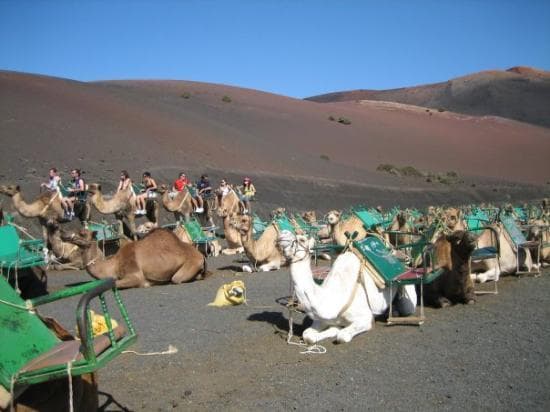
494,355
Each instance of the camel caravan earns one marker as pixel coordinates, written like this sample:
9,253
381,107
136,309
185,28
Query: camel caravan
347,268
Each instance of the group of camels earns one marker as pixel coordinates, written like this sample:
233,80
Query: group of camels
340,309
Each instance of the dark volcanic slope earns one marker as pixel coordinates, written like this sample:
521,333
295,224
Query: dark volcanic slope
519,93
166,126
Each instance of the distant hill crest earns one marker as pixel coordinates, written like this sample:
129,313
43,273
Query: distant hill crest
519,93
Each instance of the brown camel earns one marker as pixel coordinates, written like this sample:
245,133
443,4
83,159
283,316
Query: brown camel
338,227
123,205
400,230
179,203
264,253
230,207
45,207
452,252
67,255
160,257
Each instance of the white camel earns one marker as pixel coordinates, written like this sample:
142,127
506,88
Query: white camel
347,301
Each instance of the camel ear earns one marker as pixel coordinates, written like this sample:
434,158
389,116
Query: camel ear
18,188
94,235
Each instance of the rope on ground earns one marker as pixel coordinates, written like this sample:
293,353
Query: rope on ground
171,350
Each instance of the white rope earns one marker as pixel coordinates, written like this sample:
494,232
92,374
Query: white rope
21,229
171,350
29,307
70,377
12,392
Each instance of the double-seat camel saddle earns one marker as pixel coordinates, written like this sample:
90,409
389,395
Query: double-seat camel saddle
389,271
17,253
520,244
31,352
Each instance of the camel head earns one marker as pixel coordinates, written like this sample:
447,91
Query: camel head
227,204
84,238
462,243
279,212
294,247
162,189
451,217
333,217
243,223
310,216
94,188
10,190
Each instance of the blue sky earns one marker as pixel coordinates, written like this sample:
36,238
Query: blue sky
295,48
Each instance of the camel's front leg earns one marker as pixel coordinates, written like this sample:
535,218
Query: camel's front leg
132,280
132,224
359,323
269,266
315,333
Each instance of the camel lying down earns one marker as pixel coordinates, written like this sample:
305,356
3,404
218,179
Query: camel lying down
347,301
160,257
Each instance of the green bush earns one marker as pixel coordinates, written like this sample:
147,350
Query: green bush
325,157
344,120
226,99
410,171
185,95
332,118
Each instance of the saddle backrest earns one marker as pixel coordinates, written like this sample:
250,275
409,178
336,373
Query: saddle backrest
9,243
512,229
25,338
380,257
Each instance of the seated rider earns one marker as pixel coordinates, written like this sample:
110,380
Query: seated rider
248,191
183,182
124,182
204,188
53,181
149,192
224,188
76,190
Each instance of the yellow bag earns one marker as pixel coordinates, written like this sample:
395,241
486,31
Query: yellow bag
230,294
99,325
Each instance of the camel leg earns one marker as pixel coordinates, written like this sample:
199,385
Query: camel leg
183,275
360,325
134,279
269,266
132,224
313,334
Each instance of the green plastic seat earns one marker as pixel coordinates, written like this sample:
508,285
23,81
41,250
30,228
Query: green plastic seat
394,273
519,241
370,221
258,226
106,231
31,353
283,223
16,253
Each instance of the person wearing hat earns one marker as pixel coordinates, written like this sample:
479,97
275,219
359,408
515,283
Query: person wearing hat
248,191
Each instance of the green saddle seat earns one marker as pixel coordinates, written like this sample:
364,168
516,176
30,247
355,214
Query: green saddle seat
369,219
283,223
17,253
391,269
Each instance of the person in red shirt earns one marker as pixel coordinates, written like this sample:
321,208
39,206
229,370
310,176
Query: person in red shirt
180,184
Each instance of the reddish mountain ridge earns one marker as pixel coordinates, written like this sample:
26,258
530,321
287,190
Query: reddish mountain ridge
167,126
519,93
